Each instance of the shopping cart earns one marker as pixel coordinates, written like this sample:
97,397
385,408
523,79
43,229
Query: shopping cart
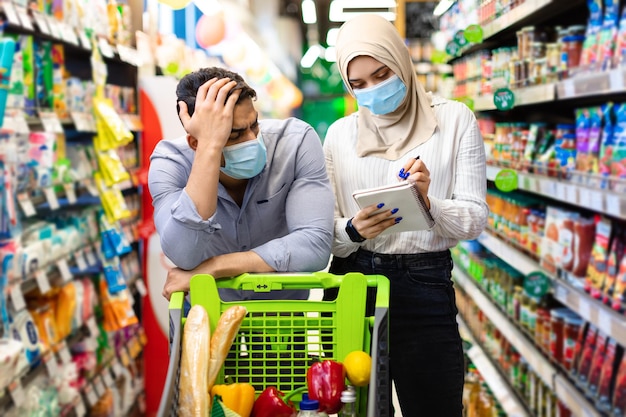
279,339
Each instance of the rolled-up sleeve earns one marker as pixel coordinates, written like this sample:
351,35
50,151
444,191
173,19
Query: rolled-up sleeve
175,214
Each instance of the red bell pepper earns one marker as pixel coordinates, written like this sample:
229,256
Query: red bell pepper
271,404
326,380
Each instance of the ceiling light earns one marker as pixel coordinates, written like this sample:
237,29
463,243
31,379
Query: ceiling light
443,7
309,14
343,10
311,55
331,36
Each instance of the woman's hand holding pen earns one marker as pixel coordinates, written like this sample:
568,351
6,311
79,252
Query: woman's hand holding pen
415,170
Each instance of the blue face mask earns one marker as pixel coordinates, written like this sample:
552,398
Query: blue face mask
383,98
245,160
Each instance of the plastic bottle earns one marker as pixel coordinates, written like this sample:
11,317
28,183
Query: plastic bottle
348,398
309,408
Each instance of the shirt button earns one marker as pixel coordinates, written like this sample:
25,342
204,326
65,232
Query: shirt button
377,260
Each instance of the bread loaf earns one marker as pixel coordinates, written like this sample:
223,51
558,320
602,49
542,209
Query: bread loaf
193,400
222,339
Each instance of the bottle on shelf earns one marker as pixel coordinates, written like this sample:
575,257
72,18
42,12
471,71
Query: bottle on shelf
310,408
348,399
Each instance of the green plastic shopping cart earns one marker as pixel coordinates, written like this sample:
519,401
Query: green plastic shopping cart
279,339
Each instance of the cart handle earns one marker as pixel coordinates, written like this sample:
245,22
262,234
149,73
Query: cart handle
301,281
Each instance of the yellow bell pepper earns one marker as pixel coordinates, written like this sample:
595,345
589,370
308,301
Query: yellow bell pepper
239,397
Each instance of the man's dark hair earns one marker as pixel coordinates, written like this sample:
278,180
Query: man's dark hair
187,88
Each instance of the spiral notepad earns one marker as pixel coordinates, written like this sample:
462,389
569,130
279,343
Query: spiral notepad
406,198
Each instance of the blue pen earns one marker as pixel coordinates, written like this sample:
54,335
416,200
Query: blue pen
405,175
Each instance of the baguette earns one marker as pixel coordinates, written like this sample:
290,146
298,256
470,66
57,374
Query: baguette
194,365
222,339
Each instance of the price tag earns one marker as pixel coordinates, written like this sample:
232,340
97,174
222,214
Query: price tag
64,353
84,39
42,23
605,322
51,197
79,408
11,13
116,367
91,187
55,28
64,269
91,258
79,258
584,197
17,393
25,20
547,187
69,34
99,386
559,190
597,200
571,193
70,193
51,365
16,121
105,48
616,79
568,89
141,287
42,281
26,204
50,122
92,397
81,122
560,293
93,327
584,310
613,205
108,380
17,297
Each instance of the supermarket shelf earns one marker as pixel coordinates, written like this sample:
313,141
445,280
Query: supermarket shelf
594,83
564,389
499,386
521,12
593,311
524,96
598,200
518,260
567,293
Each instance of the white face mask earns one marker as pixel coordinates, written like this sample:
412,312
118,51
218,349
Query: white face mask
245,160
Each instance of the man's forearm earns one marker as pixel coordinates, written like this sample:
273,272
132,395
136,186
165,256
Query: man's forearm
233,264
203,179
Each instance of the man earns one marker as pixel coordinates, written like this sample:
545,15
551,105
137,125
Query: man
237,194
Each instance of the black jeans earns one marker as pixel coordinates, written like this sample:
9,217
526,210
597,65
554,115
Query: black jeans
426,353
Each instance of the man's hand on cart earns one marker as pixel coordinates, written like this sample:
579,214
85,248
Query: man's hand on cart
177,280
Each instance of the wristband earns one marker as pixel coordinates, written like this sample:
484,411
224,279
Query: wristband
354,235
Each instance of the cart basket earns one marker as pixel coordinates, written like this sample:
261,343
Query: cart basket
279,339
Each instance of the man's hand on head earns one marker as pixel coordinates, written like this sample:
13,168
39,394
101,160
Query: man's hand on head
212,119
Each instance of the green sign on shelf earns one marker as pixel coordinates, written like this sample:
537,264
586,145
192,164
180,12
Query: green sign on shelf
439,57
452,48
503,99
459,38
506,180
536,284
474,34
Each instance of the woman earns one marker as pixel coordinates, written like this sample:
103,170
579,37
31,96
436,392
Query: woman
401,129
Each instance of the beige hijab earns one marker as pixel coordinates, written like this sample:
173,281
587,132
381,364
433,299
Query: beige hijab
392,135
